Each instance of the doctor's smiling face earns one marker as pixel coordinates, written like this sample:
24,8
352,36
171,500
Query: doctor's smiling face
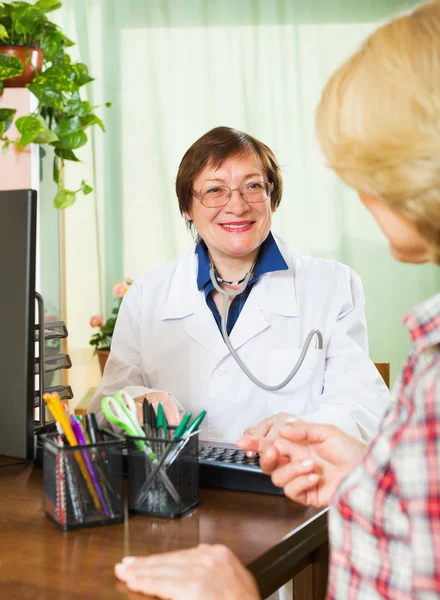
237,229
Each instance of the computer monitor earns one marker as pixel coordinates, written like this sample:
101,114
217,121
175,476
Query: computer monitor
18,226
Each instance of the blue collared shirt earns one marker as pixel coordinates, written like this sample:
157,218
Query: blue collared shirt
269,260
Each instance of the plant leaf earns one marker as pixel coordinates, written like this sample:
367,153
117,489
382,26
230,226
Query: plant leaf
10,66
6,118
1,86
50,43
34,129
86,189
46,137
64,199
108,104
29,127
72,141
78,107
3,33
68,125
89,120
81,74
48,5
46,96
57,166
66,154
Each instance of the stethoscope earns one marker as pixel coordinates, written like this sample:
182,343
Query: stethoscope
216,280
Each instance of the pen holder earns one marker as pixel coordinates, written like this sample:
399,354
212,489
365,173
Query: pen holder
163,477
83,485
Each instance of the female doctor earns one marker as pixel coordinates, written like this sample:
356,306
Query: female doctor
168,343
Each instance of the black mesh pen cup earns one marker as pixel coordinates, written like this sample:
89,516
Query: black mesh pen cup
163,475
83,485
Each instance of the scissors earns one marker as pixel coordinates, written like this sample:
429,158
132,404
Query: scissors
120,410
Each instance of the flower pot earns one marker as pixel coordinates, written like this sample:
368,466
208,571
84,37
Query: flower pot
102,357
32,60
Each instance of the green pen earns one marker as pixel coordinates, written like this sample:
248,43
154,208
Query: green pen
192,427
195,424
180,429
161,422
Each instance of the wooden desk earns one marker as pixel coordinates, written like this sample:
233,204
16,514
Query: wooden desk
275,538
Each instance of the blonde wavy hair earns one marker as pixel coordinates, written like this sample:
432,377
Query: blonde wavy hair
378,121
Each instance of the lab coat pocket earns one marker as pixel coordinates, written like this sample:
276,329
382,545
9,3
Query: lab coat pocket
298,395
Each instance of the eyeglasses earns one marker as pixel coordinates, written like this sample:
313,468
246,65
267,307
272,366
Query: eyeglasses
214,196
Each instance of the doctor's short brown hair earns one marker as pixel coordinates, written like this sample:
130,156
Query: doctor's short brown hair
214,148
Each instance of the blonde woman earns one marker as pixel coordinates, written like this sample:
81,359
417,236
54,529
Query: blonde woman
379,127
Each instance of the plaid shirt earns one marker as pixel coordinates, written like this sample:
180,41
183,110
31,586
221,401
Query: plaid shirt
385,522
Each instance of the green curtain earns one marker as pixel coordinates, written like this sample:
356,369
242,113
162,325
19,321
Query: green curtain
175,69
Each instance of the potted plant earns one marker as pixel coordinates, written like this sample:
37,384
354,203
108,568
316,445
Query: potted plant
103,338
33,54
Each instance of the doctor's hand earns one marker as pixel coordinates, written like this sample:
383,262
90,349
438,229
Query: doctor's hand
268,428
171,411
311,461
201,573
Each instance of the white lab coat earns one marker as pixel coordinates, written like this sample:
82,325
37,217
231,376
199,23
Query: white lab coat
166,339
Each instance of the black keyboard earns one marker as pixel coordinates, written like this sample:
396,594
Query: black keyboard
225,466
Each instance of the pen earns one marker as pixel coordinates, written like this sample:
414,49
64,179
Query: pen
185,436
153,421
182,425
142,494
95,434
54,403
195,424
161,422
77,429
146,414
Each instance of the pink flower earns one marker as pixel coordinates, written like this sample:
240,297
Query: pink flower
96,321
119,289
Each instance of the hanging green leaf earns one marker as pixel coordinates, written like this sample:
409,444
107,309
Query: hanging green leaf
108,104
89,120
72,141
77,106
48,5
57,166
3,33
29,127
47,136
59,78
81,74
6,118
66,155
64,199
10,66
47,96
51,43
86,189
68,125
34,129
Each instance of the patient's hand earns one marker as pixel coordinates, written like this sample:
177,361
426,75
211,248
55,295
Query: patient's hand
202,573
268,428
171,411
317,458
